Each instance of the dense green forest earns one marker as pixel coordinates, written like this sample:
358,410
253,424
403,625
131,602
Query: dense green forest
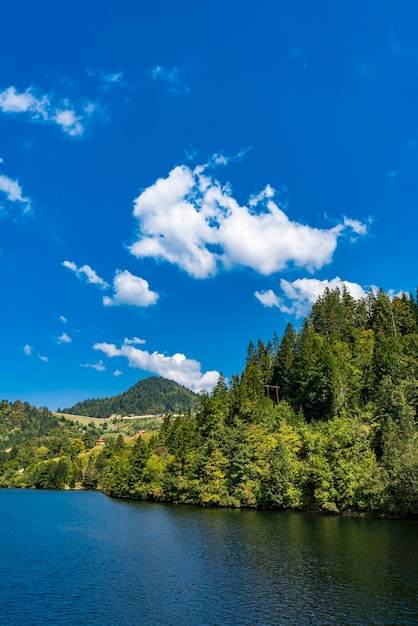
340,436
151,396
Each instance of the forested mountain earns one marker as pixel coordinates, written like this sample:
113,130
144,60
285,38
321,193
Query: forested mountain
323,419
150,396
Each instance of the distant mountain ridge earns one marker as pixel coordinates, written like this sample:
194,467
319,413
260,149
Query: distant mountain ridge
152,395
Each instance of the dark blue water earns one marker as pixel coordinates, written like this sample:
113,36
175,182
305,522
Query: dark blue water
81,558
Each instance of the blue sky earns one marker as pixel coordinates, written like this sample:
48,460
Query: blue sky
177,179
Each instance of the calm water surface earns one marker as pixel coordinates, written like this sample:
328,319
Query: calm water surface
78,558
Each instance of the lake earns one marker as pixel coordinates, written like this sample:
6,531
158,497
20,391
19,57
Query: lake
79,558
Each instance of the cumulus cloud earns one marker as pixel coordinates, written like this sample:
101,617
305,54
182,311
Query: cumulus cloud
85,271
44,108
184,371
63,319
64,338
302,293
130,289
268,298
117,373
189,219
43,358
99,367
13,193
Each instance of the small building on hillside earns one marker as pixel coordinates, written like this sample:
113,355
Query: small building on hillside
101,442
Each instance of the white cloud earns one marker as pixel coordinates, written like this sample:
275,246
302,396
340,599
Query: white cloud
184,371
87,272
14,193
69,122
64,338
117,373
13,102
116,77
268,298
45,108
303,293
133,341
130,289
108,79
190,220
28,351
357,227
63,319
99,367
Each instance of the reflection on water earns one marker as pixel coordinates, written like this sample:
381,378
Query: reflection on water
82,558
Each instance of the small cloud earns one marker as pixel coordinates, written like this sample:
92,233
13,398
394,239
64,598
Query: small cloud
117,373
87,272
69,122
109,79
359,228
268,298
64,338
43,358
14,193
99,367
172,77
113,78
184,371
133,341
27,349
132,290
63,319
44,108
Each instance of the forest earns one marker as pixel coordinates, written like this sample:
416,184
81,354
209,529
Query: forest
321,419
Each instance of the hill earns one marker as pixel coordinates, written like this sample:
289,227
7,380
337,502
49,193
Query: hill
150,396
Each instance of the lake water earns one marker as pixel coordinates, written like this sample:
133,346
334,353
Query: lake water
79,558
